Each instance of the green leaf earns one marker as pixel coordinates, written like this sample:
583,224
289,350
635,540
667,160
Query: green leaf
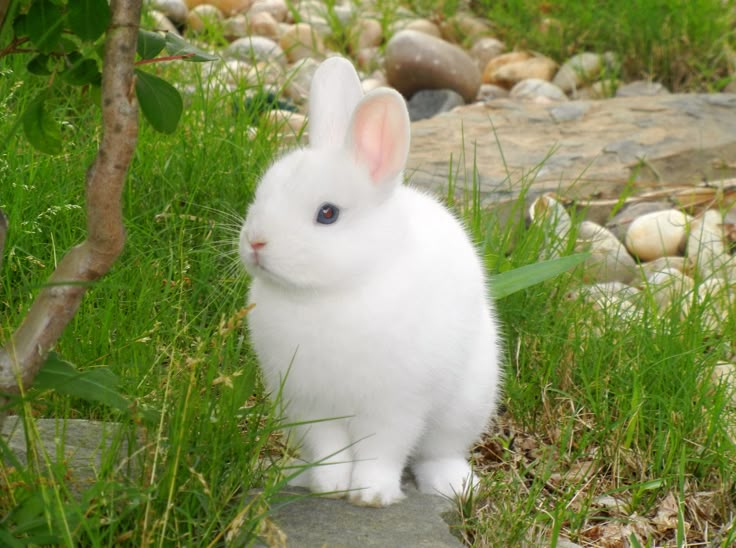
20,26
82,71
27,511
160,102
175,45
6,539
44,23
98,385
65,46
40,129
506,283
150,44
88,19
39,65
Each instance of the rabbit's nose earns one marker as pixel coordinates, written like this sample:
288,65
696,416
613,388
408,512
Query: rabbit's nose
257,245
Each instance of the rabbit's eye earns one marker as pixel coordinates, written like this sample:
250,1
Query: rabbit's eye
327,214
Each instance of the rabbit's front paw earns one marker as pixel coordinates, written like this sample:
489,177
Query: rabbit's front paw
449,477
376,497
330,480
373,486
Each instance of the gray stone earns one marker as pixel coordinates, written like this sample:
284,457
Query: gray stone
161,23
533,88
641,88
620,222
490,92
578,70
315,522
430,102
84,444
567,112
254,49
658,140
415,60
175,10
279,9
486,48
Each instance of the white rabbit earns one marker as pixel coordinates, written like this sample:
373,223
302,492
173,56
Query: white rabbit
371,307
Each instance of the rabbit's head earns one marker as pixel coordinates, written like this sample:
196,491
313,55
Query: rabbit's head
325,216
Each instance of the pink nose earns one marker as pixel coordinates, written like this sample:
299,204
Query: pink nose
256,246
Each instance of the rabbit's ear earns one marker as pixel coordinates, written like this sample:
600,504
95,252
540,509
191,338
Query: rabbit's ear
380,133
334,94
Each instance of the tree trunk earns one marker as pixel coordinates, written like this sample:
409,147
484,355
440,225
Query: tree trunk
27,349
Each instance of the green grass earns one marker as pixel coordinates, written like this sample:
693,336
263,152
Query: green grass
686,45
592,407
167,320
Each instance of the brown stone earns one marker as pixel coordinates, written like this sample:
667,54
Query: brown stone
416,61
301,41
369,34
424,25
484,49
463,27
509,74
277,8
203,15
262,23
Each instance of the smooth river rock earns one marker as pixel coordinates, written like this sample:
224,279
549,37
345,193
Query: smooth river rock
415,60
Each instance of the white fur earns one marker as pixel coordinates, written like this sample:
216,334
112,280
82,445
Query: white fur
380,321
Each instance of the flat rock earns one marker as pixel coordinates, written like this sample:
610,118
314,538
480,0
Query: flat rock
315,522
584,149
83,443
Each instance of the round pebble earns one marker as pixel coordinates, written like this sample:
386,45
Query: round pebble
368,59
202,16
232,7
620,222
578,70
534,88
657,234
278,9
415,61
505,58
427,103
299,79
484,49
262,23
490,92
254,49
162,23
424,25
463,27
235,27
175,10
369,34
301,41
509,74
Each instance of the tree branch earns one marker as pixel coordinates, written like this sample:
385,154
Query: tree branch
57,302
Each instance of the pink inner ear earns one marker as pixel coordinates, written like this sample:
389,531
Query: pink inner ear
380,135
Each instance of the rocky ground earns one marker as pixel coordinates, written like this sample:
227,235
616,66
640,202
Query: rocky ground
436,64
